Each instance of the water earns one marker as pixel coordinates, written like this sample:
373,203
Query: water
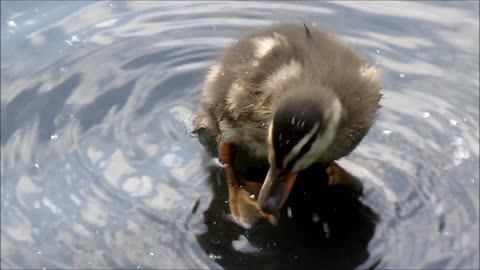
98,169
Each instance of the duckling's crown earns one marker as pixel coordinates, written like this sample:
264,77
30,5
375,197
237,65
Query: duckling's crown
299,120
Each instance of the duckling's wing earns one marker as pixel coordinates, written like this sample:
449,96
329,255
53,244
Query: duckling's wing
199,122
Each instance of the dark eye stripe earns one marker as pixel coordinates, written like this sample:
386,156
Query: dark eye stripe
304,149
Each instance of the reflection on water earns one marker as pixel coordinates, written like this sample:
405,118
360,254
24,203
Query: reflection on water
99,170
320,226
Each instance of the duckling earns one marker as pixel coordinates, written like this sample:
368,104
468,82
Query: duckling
292,95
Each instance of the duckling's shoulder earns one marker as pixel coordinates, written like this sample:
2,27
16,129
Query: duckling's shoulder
239,77
252,59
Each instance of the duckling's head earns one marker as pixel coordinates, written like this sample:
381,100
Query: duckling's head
302,129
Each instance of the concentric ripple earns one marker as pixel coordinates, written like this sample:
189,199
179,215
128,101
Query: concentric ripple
99,169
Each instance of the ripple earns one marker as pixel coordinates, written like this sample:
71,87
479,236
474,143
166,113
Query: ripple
99,168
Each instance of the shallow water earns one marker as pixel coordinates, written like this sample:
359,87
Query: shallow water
99,170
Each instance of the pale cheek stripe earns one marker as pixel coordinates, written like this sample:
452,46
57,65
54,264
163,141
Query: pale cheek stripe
295,150
271,150
324,141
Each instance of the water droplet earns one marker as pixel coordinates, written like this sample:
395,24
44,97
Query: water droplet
314,24
72,40
289,212
387,132
315,218
36,10
378,51
453,122
438,209
214,28
138,266
36,165
326,229
97,232
461,153
402,75
53,137
89,262
152,254
110,5
12,23
426,115
39,252
214,257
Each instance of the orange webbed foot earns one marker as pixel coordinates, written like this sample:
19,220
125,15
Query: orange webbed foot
242,196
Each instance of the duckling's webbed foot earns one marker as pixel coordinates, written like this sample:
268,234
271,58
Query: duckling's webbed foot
243,206
338,176
226,156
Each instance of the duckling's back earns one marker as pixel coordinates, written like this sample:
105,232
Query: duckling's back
241,88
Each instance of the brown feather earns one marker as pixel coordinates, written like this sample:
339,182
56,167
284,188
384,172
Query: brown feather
238,103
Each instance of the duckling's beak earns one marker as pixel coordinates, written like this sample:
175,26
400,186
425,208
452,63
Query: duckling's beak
275,189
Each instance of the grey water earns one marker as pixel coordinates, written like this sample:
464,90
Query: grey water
99,168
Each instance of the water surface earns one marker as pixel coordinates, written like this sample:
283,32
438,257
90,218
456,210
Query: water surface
99,170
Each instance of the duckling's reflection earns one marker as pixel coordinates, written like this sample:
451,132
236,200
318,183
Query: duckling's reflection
319,226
